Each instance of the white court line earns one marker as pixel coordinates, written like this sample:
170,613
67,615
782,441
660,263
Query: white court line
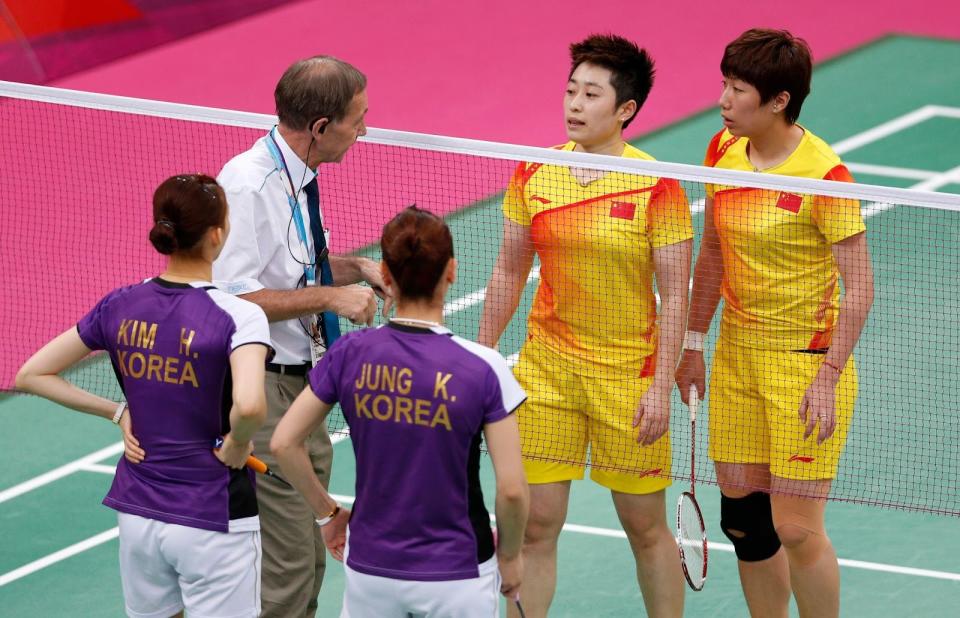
113,533
57,556
889,171
89,463
932,183
886,129
59,473
476,297
725,547
102,468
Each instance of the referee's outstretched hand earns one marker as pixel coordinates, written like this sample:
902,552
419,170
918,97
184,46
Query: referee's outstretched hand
357,303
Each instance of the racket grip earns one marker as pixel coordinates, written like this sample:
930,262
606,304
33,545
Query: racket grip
256,465
694,398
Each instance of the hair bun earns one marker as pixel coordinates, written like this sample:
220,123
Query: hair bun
163,238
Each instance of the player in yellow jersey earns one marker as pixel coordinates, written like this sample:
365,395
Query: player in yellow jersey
598,363
783,381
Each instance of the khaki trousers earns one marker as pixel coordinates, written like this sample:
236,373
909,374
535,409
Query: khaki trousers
294,557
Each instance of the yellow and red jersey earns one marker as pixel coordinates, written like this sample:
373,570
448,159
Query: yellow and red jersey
780,281
595,302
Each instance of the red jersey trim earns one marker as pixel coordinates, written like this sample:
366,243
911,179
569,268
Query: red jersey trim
593,199
839,173
716,150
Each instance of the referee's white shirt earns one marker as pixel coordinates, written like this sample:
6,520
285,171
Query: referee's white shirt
263,249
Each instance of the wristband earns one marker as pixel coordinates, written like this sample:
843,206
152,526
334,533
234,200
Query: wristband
119,413
834,367
326,520
692,340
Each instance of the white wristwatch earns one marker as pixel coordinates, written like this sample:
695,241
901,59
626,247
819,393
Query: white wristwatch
119,413
323,521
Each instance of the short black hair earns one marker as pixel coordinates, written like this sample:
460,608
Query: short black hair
314,88
772,61
631,67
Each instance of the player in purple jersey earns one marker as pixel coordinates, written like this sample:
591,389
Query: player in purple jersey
190,360
416,399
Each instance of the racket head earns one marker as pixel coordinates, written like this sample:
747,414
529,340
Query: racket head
692,540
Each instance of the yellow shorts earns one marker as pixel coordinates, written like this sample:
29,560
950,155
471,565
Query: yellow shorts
572,406
754,408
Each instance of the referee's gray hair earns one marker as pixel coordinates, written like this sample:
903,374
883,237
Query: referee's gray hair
314,88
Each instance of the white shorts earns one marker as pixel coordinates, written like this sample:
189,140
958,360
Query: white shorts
383,597
165,568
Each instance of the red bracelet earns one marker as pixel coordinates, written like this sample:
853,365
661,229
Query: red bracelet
832,366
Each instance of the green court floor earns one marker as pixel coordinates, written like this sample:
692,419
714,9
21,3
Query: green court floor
59,553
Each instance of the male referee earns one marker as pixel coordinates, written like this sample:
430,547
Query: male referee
276,256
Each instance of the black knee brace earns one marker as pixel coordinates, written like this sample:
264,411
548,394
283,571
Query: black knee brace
752,519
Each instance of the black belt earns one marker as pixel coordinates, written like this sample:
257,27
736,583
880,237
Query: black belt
289,370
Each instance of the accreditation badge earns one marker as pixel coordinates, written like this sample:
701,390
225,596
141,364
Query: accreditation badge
317,346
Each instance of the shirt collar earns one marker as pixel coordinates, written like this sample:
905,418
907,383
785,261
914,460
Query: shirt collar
299,172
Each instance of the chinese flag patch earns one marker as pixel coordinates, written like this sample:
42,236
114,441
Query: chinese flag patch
790,201
623,210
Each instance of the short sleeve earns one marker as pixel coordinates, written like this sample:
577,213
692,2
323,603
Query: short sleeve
91,326
325,376
668,214
514,203
238,268
251,327
838,218
503,393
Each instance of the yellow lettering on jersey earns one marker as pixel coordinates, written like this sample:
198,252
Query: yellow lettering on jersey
360,403
382,412
387,378
421,412
122,332
441,418
188,374
156,367
146,335
185,341
121,360
154,364
404,381
403,407
138,364
440,385
170,370
362,378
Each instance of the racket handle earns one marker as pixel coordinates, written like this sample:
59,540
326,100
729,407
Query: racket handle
694,398
257,465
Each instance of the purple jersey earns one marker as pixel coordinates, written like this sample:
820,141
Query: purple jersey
416,401
170,346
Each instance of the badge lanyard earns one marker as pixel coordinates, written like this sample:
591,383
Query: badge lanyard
310,269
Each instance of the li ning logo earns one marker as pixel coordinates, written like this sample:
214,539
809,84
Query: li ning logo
801,458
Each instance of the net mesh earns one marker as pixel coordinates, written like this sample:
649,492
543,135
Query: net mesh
76,190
